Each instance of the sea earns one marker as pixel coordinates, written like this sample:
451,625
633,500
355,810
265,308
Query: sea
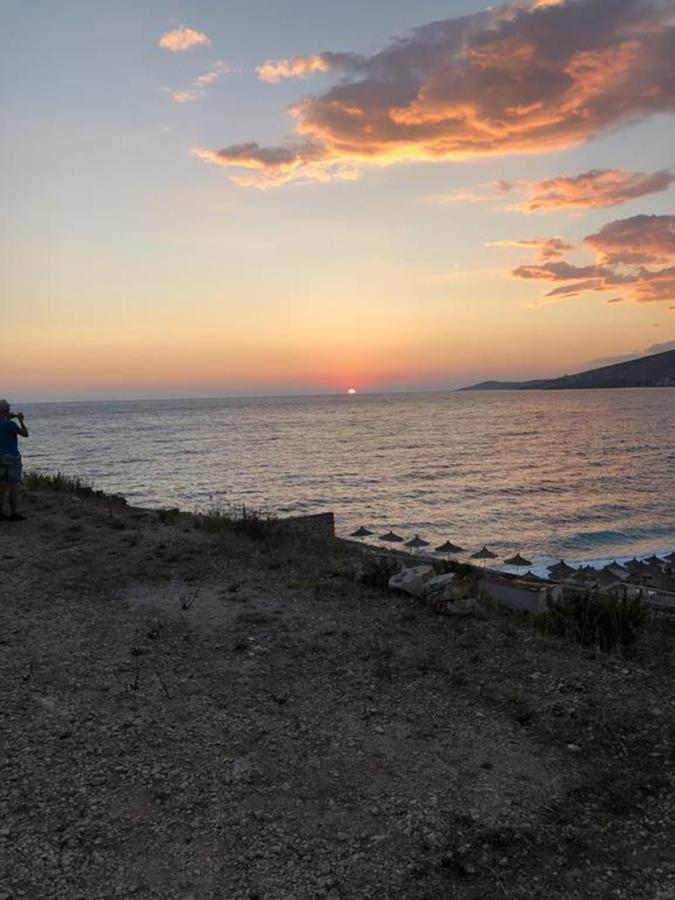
588,476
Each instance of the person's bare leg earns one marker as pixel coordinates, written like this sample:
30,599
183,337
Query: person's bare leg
13,499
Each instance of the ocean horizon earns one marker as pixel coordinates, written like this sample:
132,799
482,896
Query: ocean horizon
583,475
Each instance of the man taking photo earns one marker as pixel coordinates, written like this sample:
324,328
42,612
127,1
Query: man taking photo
10,460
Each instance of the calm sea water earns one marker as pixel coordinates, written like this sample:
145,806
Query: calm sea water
578,474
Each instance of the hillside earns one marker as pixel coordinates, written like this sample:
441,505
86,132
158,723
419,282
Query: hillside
194,710
647,371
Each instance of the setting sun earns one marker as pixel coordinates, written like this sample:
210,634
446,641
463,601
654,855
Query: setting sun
351,391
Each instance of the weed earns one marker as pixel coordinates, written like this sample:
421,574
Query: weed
256,524
595,619
59,482
375,571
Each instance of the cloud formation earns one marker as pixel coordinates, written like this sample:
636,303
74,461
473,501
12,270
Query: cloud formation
548,248
526,77
592,190
272,166
181,39
296,67
634,256
199,86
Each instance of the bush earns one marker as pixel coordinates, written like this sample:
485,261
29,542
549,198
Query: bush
595,619
375,571
252,523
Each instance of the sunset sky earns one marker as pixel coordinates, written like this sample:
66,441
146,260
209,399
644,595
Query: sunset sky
280,196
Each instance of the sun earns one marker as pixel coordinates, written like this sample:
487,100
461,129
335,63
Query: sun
351,391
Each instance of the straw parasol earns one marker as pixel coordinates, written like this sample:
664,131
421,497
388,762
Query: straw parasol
561,570
361,532
484,554
530,576
417,542
518,561
449,547
391,537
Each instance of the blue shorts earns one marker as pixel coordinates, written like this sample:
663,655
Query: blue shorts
10,469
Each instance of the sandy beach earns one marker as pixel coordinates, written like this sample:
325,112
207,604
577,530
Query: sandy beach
192,711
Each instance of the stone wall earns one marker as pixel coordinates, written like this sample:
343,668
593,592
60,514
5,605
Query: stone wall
319,527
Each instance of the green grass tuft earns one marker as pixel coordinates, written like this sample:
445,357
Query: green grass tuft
58,482
595,619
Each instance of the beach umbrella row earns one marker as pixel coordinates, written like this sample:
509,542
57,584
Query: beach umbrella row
560,570
448,547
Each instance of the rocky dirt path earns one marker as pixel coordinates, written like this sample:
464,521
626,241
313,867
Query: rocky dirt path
190,713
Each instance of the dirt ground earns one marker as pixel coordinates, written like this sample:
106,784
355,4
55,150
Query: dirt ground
192,712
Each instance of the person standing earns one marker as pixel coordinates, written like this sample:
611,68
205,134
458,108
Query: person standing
10,460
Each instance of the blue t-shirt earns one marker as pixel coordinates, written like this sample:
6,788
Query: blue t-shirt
9,446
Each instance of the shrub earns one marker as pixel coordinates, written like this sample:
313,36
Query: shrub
375,571
67,484
58,482
255,524
595,619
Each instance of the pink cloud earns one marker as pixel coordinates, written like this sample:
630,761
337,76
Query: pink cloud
180,39
591,190
549,248
199,86
526,77
273,166
622,251
638,240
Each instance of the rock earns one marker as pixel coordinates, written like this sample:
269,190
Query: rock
464,606
412,581
440,587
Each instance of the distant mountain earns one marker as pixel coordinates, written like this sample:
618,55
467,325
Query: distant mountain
648,371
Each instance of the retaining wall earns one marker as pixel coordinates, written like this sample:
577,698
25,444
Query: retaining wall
319,527
520,594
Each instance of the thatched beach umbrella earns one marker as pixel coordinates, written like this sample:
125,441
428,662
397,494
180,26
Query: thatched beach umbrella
518,561
417,542
530,576
654,561
450,548
361,532
561,570
484,554
616,569
391,537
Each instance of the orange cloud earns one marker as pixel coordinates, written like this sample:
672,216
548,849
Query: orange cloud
198,87
622,250
527,77
277,165
639,240
296,67
181,39
592,190
549,248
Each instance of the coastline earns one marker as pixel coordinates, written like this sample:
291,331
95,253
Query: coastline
193,708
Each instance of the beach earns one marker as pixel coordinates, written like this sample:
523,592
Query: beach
192,709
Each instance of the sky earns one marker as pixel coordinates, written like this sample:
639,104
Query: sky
226,197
